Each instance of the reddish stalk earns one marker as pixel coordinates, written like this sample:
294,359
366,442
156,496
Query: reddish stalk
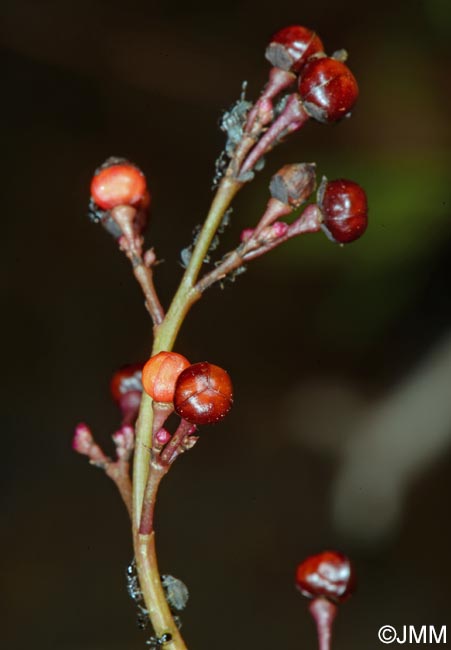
292,118
144,275
324,613
308,222
263,108
119,470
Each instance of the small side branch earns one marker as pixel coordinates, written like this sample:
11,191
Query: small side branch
144,276
118,470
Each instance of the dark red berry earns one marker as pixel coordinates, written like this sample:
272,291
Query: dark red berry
328,89
329,574
203,393
127,379
119,184
290,47
344,207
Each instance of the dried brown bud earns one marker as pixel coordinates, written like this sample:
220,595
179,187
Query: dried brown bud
293,184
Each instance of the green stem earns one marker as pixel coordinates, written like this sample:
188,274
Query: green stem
165,336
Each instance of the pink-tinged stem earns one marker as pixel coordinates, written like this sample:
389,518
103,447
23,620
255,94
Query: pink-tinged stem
254,246
263,109
118,471
144,276
161,412
172,449
131,242
274,210
156,472
292,118
323,612
309,222
159,466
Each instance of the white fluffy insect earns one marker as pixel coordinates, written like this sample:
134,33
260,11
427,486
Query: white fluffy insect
176,592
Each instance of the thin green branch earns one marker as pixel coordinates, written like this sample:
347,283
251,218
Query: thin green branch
165,336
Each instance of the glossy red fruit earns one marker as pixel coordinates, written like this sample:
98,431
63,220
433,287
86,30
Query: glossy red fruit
119,184
329,574
344,207
203,394
160,374
291,47
328,89
127,379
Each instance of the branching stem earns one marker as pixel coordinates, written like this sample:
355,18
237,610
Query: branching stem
165,336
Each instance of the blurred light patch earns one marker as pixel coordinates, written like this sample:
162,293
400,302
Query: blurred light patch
382,447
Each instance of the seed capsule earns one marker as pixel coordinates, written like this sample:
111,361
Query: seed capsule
329,574
290,47
119,184
344,206
203,393
328,89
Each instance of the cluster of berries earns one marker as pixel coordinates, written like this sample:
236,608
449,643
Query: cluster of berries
328,91
201,393
327,87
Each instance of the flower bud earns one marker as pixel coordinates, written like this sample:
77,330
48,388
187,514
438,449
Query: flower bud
293,184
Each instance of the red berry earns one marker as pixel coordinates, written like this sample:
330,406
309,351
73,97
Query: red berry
290,47
119,184
344,207
329,574
160,375
203,394
127,379
328,89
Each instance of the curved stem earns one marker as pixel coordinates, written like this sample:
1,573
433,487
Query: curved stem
153,592
144,275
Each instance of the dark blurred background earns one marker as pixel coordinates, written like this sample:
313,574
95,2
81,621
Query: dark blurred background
341,357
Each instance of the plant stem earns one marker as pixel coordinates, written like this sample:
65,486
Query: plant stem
153,593
156,473
144,276
324,613
165,335
119,472
292,118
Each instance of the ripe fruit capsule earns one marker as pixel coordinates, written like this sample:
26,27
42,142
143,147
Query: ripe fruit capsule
160,374
203,393
328,89
290,47
329,574
126,380
119,184
344,207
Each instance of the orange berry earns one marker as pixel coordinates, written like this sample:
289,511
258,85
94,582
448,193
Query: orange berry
161,373
329,575
119,184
